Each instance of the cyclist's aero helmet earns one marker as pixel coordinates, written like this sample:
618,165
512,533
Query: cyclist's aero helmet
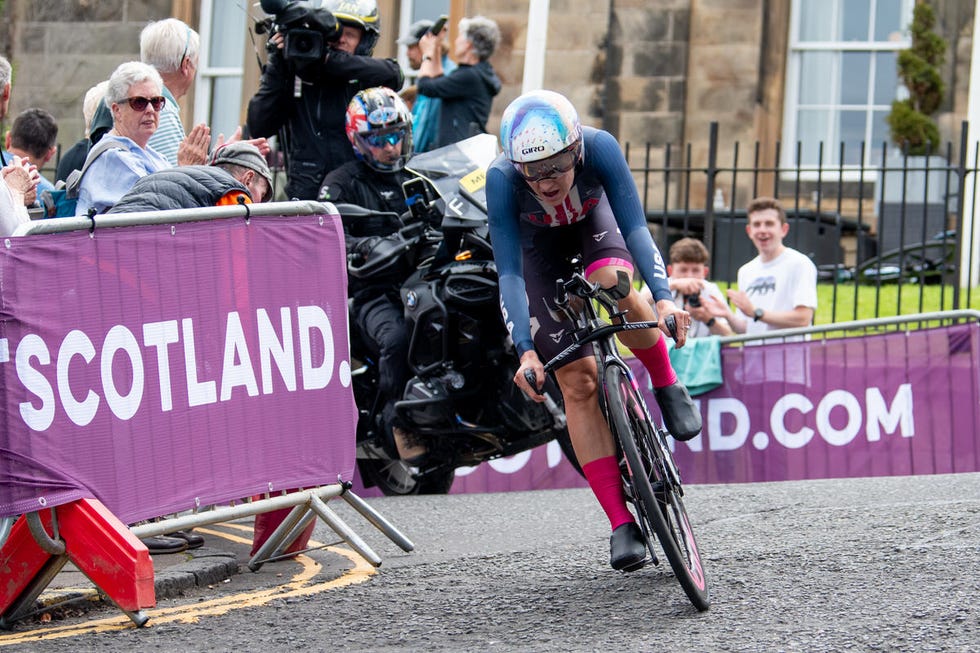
539,125
377,116
359,13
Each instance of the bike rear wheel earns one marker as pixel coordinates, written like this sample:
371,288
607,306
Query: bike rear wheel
655,490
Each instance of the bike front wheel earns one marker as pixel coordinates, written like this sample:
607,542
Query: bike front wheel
656,492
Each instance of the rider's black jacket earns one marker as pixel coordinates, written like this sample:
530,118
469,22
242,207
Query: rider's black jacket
314,122
357,183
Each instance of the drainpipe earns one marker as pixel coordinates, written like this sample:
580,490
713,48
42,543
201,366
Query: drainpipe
968,262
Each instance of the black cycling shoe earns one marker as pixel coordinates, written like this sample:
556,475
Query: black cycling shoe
681,416
627,550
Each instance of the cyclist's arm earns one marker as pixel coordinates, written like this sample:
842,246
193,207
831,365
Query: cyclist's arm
605,157
505,238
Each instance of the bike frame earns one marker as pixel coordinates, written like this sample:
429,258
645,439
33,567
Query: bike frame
590,328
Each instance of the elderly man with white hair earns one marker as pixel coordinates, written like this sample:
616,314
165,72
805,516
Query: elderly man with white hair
171,47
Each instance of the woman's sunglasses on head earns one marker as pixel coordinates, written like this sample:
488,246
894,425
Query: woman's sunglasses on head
140,103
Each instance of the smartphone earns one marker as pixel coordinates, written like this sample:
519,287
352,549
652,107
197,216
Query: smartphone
439,25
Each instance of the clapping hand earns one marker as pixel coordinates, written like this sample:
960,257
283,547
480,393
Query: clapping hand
22,177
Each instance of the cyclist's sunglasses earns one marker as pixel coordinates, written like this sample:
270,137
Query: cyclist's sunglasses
380,140
139,103
553,166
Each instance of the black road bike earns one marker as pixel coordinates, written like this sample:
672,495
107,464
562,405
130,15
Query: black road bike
651,479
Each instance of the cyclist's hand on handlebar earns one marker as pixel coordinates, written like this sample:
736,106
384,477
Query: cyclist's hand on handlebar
667,309
530,376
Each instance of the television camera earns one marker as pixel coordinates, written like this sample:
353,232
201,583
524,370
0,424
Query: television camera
306,29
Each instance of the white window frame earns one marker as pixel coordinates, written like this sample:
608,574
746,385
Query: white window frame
206,74
791,104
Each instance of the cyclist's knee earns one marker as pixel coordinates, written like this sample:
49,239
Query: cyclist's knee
578,381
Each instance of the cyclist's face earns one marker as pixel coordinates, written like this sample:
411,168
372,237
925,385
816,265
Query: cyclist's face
553,190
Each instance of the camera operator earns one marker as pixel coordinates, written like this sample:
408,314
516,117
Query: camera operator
319,58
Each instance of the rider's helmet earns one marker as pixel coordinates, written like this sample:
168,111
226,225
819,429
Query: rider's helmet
541,134
376,117
358,13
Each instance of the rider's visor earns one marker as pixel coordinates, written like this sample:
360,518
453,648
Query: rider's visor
375,139
554,165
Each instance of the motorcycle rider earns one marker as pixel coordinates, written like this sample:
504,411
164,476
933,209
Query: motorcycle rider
379,128
560,189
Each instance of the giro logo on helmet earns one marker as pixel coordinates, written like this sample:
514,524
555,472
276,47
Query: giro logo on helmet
531,150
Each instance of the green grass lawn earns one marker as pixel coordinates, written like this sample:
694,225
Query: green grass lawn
849,301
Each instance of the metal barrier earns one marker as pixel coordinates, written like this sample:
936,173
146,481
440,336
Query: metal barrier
876,324
145,353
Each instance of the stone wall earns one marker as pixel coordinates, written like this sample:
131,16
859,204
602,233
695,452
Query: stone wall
61,48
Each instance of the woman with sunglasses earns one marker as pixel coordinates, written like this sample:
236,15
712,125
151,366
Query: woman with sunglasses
561,189
134,96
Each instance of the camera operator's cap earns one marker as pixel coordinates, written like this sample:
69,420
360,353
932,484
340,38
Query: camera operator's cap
243,154
415,32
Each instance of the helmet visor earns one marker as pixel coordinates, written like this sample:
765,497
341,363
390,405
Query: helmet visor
380,139
554,165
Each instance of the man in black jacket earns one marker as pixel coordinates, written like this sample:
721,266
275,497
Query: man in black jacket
310,100
236,170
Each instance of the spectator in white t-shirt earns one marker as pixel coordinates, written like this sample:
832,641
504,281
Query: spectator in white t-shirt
778,288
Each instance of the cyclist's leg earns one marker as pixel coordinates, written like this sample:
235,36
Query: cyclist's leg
596,452
603,259
544,259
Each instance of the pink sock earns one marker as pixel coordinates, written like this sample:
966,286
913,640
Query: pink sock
607,485
657,362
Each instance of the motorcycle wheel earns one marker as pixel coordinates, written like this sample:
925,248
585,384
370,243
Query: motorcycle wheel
397,478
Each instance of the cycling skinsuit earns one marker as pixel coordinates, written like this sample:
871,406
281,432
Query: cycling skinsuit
601,219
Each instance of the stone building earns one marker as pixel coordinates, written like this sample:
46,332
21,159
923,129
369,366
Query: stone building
655,72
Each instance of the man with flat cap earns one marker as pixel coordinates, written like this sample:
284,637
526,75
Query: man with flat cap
425,110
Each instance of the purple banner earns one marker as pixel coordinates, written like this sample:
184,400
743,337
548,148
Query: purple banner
161,367
875,405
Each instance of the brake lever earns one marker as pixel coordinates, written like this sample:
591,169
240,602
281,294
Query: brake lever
671,322
532,380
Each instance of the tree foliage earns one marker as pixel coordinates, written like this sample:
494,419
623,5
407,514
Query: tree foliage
910,120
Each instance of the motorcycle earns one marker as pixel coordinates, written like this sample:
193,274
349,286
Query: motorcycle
461,401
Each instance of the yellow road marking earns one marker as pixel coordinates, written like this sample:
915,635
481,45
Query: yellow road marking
298,585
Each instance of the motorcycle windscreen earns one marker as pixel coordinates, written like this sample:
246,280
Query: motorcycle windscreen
459,173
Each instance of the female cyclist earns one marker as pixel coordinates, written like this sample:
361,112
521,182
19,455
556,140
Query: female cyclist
560,189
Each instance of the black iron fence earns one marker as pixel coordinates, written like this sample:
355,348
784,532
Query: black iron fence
887,237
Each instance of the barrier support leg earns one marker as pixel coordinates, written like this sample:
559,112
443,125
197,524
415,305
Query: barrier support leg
276,541
343,530
375,517
27,570
100,545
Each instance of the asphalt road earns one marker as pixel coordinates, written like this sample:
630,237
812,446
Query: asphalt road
887,564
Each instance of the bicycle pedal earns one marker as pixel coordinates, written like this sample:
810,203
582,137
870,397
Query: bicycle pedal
635,567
